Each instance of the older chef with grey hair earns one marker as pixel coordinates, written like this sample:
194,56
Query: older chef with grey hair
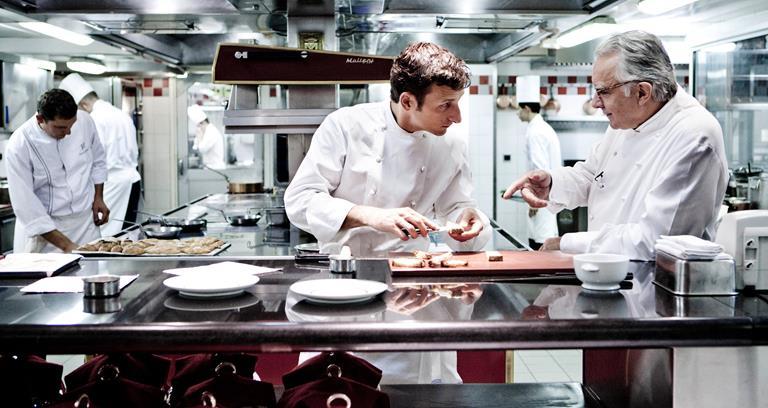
118,136
660,169
56,172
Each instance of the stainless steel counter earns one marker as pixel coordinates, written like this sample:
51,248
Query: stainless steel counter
493,315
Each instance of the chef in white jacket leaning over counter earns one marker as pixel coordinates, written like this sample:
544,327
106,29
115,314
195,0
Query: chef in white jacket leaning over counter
118,136
378,176
377,172
660,169
56,173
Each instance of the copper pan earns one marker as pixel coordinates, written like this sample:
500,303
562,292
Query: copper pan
240,187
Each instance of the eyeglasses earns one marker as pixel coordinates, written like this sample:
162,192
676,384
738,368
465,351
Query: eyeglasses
605,91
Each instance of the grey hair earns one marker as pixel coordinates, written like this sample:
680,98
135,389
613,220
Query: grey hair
641,57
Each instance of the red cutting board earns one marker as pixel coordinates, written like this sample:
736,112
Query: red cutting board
515,263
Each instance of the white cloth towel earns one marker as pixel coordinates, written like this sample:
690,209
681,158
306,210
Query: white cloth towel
688,247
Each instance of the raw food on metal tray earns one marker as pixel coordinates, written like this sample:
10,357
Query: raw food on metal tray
152,246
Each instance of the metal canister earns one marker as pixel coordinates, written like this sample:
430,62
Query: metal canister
99,286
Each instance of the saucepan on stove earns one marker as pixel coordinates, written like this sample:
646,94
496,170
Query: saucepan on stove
239,186
276,217
159,232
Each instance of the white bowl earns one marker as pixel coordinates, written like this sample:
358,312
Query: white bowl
601,271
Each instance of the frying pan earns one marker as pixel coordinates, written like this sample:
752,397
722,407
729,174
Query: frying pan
239,187
192,225
196,224
156,232
248,219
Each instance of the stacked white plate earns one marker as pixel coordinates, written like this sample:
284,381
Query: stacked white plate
204,285
338,291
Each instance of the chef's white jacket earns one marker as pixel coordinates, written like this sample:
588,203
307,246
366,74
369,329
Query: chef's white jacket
667,177
53,178
360,156
118,136
543,152
211,147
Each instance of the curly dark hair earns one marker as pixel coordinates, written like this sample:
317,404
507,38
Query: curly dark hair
422,64
56,103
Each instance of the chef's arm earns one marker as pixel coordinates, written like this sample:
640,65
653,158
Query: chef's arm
59,240
99,207
404,222
682,201
27,207
456,205
309,202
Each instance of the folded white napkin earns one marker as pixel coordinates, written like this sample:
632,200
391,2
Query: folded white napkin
688,247
224,267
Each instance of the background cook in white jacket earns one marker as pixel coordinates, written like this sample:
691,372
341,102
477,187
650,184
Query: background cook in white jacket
118,136
56,170
542,148
208,140
376,169
659,169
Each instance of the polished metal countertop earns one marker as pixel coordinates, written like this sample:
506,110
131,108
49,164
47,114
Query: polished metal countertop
268,318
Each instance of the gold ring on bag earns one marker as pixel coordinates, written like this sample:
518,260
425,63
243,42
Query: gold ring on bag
339,396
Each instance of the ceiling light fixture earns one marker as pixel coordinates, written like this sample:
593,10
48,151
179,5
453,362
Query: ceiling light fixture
594,28
656,7
87,66
57,32
34,62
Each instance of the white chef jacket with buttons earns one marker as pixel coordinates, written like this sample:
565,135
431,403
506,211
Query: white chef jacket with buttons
51,179
211,147
360,156
543,152
667,177
118,136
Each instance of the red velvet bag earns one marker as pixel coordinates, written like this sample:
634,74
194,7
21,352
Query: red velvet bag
195,368
317,367
333,392
149,369
229,390
114,393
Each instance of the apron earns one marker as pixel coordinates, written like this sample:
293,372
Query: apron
79,228
117,193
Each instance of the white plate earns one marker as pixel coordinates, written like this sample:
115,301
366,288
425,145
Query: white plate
338,291
213,305
601,286
207,285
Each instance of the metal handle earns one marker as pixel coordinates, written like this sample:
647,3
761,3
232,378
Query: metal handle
588,267
339,396
217,172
